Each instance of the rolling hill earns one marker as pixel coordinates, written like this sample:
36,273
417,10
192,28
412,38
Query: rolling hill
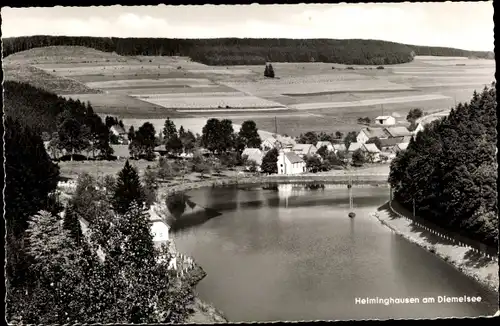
234,51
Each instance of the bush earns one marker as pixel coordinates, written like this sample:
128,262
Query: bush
380,67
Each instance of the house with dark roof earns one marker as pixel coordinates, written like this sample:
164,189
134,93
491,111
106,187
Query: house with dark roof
395,132
290,163
388,144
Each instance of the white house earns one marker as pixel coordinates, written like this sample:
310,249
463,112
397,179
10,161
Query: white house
254,154
119,132
303,150
372,152
354,147
159,227
277,141
367,133
400,147
327,144
385,120
339,148
290,163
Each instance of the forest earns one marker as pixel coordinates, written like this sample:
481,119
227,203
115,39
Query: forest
450,170
234,51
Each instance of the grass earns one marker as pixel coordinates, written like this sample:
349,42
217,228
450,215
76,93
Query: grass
44,80
72,170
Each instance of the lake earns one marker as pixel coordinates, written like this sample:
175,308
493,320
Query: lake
288,252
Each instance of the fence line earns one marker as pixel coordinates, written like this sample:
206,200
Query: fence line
482,248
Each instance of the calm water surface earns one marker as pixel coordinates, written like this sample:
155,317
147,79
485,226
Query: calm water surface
289,253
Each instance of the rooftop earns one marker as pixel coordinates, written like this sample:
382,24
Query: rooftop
293,158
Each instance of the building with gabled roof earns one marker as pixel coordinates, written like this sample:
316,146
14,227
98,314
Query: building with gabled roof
367,133
290,163
303,150
254,154
401,131
385,120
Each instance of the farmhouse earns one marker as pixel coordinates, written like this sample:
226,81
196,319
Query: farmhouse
304,149
254,154
400,147
366,133
385,120
339,148
354,147
290,163
327,144
372,152
388,144
277,141
395,132
159,228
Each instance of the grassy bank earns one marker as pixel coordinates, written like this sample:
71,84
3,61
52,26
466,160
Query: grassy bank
466,260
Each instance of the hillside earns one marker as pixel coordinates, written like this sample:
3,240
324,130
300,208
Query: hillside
456,186
37,108
233,51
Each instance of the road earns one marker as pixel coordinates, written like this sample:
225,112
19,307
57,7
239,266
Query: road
428,118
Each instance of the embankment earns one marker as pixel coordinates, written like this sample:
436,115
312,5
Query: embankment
464,258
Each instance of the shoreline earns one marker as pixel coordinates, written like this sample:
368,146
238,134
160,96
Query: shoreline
485,272
340,179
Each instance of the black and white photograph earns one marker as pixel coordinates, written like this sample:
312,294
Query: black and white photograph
205,164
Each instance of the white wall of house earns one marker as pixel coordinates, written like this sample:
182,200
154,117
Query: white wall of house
286,167
362,137
160,231
387,122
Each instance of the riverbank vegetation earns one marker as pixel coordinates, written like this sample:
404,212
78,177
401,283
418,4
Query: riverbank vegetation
234,51
450,170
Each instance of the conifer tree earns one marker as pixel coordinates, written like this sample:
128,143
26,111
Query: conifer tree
271,71
72,224
266,71
128,190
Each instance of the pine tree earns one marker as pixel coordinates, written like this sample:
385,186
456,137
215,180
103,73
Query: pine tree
271,71
169,130
266,71
72,224
128,190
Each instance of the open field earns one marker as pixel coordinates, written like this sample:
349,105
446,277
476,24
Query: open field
72,170
41,79
319,96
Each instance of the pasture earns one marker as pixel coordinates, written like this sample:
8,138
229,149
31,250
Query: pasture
303,96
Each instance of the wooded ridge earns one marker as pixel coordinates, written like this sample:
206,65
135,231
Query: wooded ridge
247,51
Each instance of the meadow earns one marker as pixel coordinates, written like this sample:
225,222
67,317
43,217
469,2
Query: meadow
303,96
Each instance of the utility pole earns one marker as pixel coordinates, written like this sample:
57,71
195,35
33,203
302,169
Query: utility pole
275,125
382,110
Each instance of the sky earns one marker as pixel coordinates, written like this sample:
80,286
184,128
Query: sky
464,25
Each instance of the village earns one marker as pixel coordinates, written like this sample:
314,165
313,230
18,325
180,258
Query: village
377,143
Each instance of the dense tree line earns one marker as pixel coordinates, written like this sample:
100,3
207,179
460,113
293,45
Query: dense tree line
70,125
450,170
234,51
